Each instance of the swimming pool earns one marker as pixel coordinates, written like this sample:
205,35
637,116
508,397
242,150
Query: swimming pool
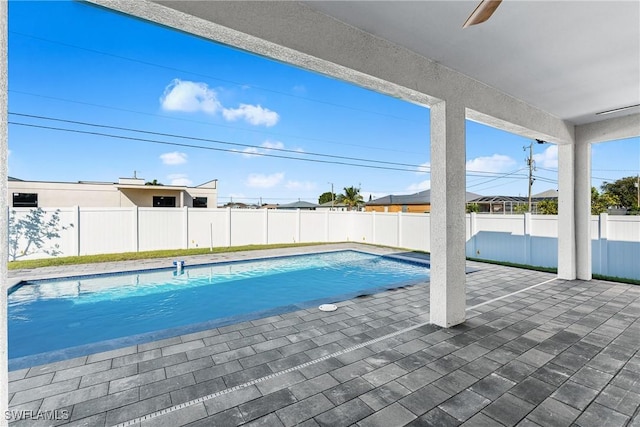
96,313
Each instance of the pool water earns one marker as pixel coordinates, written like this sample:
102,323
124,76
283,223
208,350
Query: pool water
50,315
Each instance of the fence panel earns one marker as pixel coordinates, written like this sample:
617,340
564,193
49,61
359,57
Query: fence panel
207,228
282,226
34,219
386,228
361,229
108,230
415,231
161,228
247,227
313,226
339,225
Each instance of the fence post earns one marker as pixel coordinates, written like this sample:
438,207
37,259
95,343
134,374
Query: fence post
265,237
527,238
399,229
136,229
76,225
374,239
185,227
326,226
228,226
473,229
296,238
603,236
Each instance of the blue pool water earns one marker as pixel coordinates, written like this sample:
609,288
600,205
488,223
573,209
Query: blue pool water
50,315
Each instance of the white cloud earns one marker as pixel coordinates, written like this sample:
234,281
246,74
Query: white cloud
548,159
300,185
273,144
423,168
419,186
190,97
253,114
259,180
173,158
494,163
267,145
180,179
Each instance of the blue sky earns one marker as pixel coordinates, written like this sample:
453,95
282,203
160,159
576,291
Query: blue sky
81,64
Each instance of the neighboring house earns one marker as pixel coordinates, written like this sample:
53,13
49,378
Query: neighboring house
415,203
333,206
509,204
302,205
127,192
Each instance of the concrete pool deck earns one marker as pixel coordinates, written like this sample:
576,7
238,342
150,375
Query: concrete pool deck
534,351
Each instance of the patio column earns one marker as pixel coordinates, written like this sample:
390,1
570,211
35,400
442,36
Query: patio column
4,210
582,194
447,287
566,212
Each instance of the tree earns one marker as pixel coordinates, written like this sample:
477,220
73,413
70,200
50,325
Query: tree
625,191
154,182
326,197
601,202
548,207
473,207
522,208
34,233
351,197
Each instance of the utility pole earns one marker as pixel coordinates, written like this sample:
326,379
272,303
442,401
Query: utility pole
331,194
532,166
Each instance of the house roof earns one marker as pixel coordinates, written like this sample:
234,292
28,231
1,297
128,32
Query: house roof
334,204
547,194
301,204
420,198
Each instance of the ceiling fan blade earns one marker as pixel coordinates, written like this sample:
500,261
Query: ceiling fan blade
483,12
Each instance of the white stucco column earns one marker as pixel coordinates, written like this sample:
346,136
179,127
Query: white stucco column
4,210
447,287
566,212
582,197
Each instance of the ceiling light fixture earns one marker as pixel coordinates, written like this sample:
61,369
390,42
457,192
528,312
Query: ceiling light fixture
483,12
616,110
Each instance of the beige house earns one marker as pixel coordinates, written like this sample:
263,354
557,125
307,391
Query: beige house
127,192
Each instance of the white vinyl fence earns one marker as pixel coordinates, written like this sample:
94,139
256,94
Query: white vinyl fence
524,239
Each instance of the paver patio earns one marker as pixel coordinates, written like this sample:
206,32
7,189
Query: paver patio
563,353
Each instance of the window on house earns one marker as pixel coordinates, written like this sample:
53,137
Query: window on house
25,200
199,202
164,202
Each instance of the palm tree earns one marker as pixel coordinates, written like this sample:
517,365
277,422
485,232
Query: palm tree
154,182
351,197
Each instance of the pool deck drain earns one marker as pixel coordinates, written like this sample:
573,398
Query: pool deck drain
534,351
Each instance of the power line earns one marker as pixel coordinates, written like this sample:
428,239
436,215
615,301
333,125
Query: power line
177,144
193,138
415,168
244,129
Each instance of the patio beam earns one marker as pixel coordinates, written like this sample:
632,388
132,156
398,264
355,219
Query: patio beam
447,288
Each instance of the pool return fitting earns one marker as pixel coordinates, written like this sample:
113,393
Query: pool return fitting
179,267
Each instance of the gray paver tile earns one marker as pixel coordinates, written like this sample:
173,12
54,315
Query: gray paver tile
44,391
267,404
620,400
508,409
394,414
435,417
190,392
137,409
162,362
72,397
31,382
279,382
177,418
111,354
553,413
348,390
137,380
229,418
304,409
419,378
229,400
574,394
344,415
455,382
492,386
78,371
186,367
270,420
385,395
464,405
166,386
88,408
313,386
424,399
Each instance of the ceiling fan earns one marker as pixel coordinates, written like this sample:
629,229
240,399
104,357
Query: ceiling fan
483,12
